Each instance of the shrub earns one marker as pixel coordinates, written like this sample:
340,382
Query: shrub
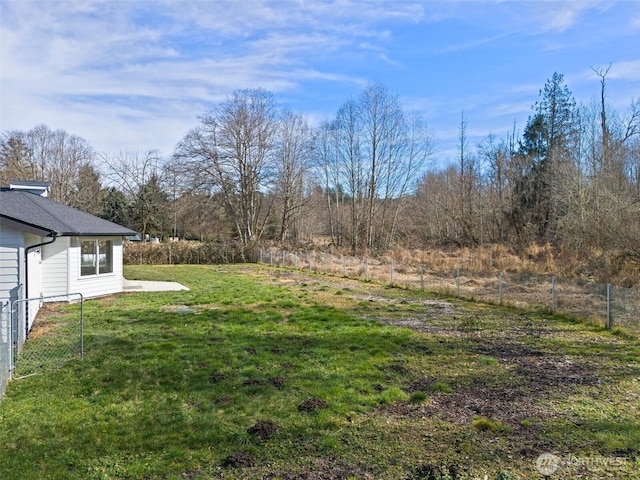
185,253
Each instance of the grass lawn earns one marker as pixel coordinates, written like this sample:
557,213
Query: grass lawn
267,373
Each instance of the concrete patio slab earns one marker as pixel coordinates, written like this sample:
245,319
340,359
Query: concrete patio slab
151,286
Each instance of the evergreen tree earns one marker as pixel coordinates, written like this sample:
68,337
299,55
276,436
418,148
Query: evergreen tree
115,207
87,194
546,158
149,211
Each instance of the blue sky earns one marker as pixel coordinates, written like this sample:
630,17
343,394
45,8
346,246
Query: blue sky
133,76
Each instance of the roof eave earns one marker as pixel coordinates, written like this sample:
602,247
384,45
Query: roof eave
16,224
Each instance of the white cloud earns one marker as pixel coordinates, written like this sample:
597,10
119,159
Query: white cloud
627,70
561,15
511,109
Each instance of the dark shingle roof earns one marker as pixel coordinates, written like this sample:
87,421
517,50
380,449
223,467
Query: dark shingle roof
36,211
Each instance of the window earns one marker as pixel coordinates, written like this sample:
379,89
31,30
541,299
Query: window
105,263
96,257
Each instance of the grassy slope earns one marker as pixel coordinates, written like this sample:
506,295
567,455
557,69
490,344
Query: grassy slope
468,390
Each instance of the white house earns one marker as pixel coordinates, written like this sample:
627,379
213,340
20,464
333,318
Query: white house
49,249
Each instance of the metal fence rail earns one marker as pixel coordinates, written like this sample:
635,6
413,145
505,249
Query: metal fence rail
606,304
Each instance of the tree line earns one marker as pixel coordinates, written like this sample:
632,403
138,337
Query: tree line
252,171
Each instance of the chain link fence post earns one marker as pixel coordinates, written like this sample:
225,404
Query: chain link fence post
5,346
391,272
608,306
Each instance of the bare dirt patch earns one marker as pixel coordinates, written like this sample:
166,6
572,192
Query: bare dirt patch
47,322
531,376
239,460
421,325
45,328
534,380
433,306
277,382
312,404
432,309
327,469
217,377
263,429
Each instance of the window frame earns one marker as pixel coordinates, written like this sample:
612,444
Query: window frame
97,253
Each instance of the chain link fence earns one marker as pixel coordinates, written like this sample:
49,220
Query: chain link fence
55,337
609,305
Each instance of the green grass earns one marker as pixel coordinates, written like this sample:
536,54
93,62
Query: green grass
163,394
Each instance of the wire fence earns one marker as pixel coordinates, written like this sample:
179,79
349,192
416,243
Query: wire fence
611,306
54,338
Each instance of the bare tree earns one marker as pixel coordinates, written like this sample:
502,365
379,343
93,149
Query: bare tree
350,167
465,212
433,204
381,127
232,152
326,160
379,150
292,161
45,155
416,147
497,158
138,176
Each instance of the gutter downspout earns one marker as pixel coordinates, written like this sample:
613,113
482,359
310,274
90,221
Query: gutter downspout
26,277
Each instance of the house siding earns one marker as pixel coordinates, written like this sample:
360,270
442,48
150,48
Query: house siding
100,285
55,267
11,249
